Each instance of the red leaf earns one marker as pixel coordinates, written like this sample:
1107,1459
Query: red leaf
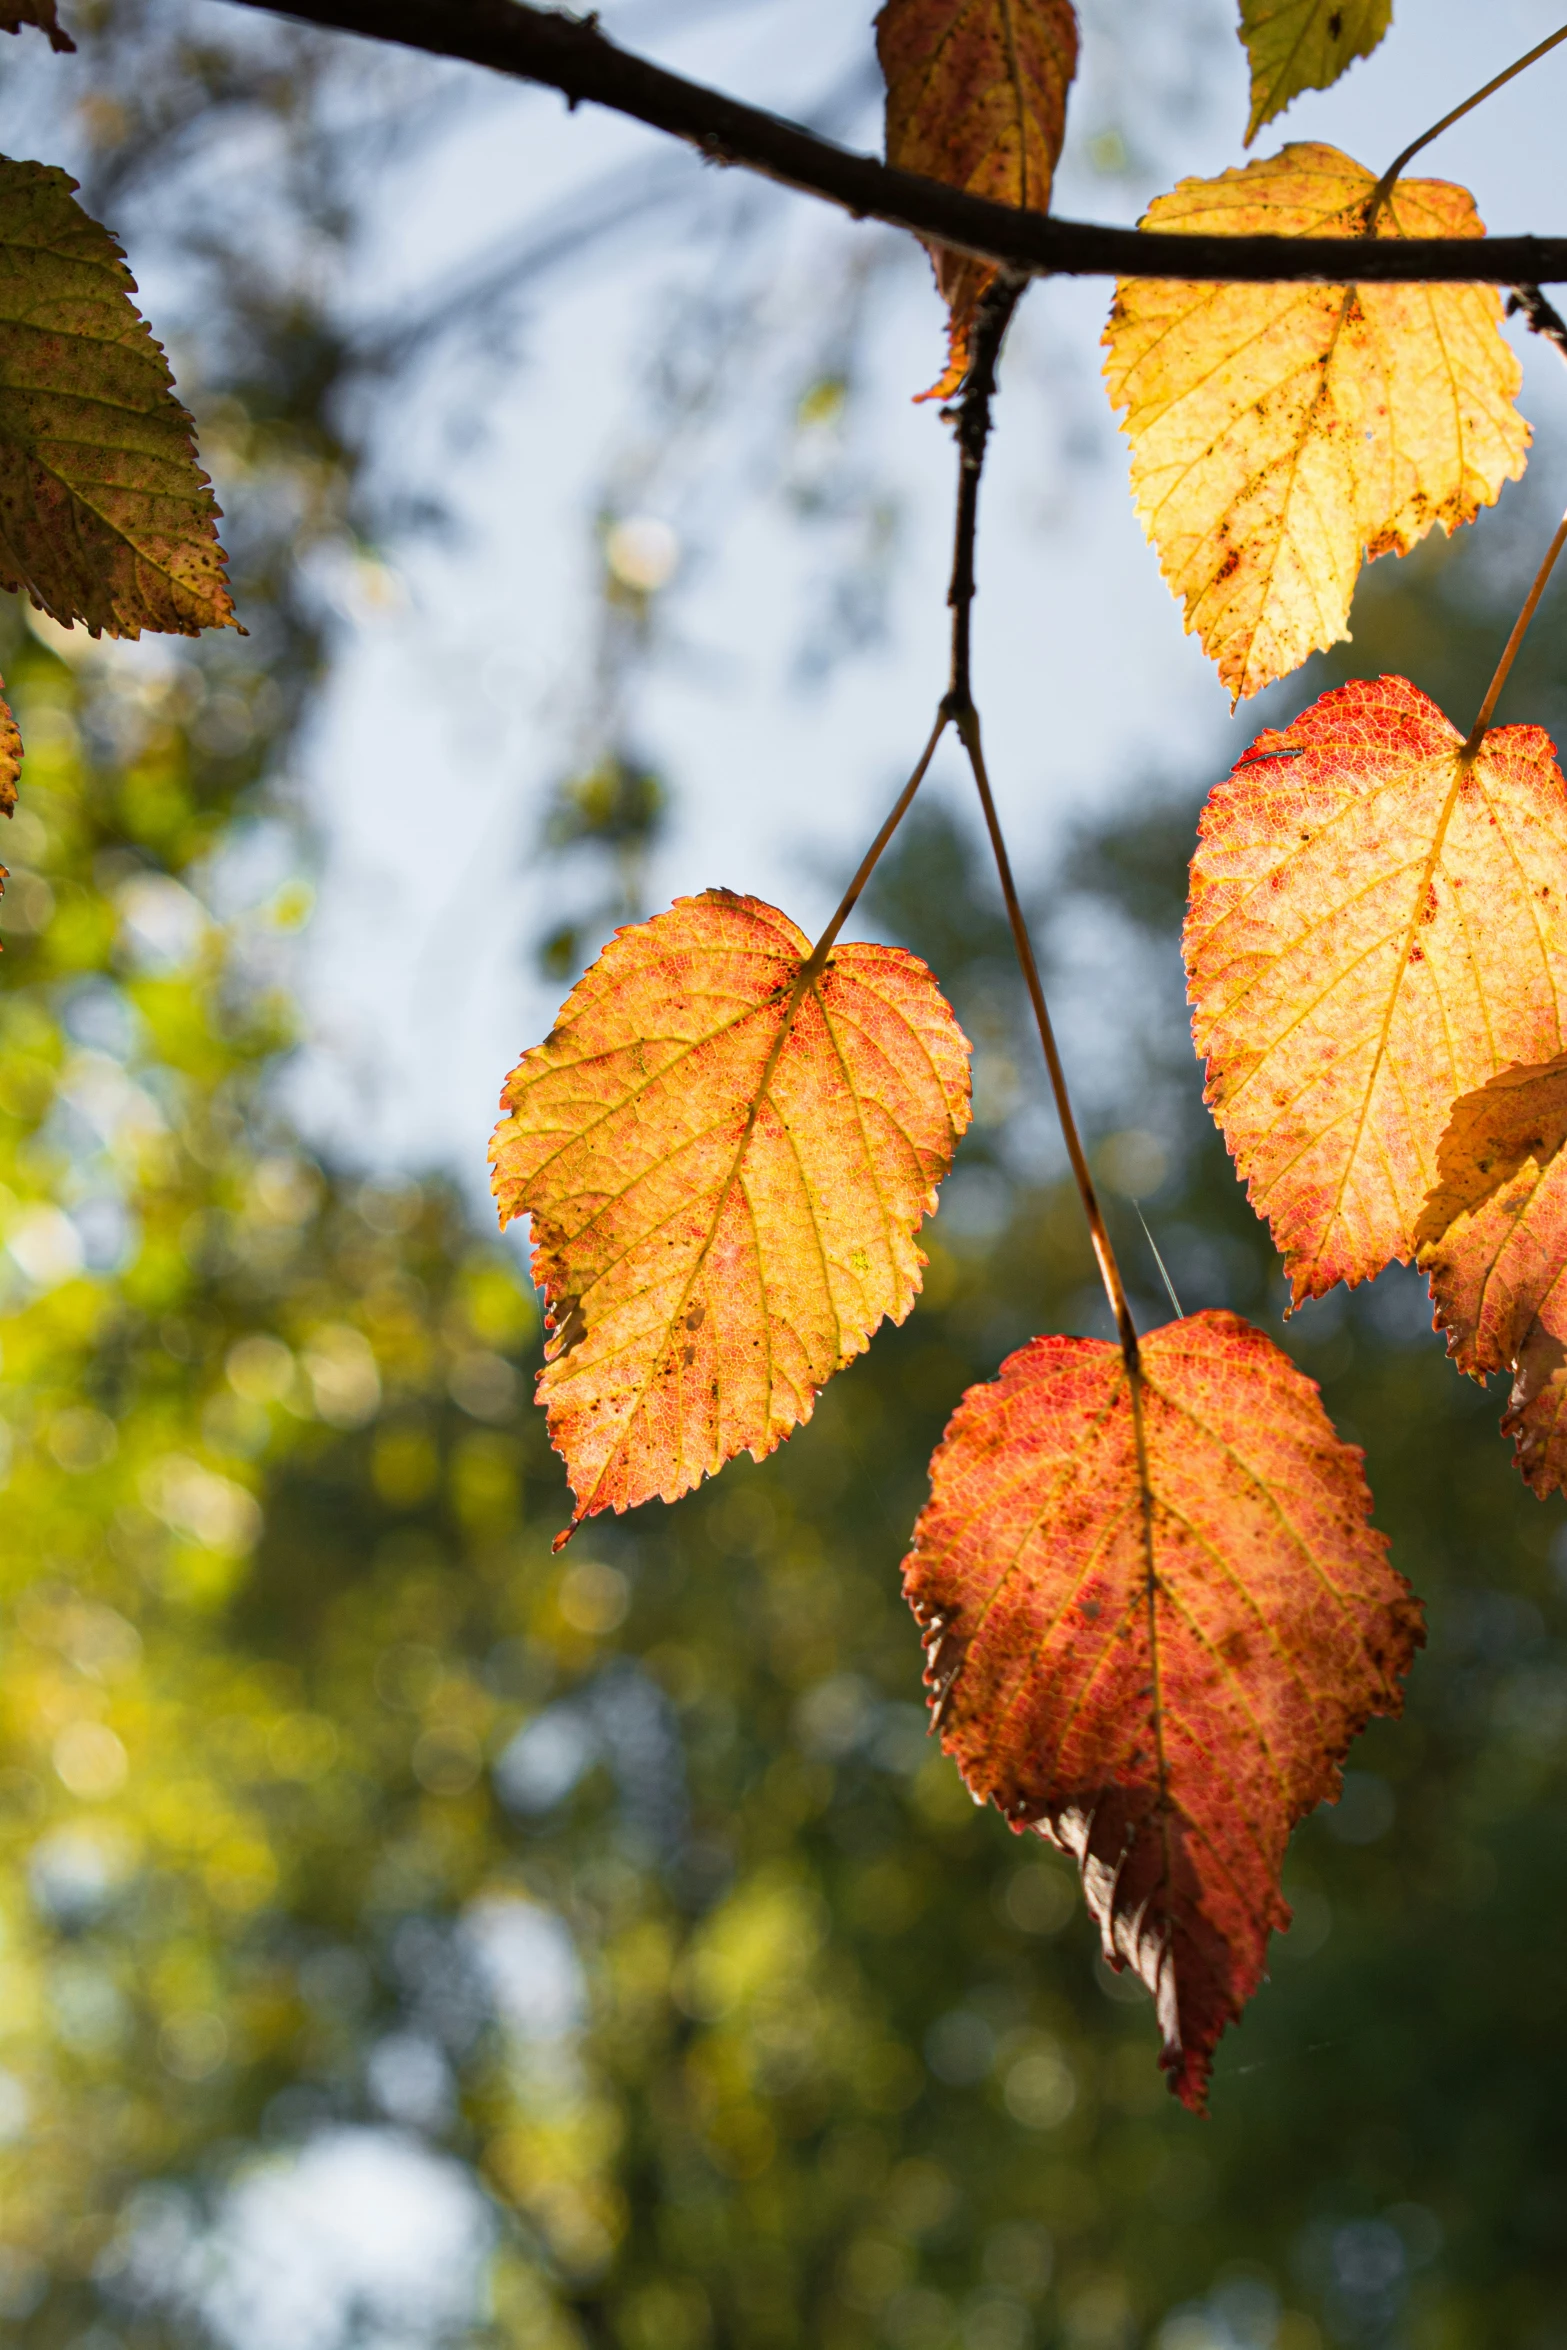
1161,1685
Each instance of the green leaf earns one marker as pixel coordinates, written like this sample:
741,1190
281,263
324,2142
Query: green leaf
1297,45
105,516
15,13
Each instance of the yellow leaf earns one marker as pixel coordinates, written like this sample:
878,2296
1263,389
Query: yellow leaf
976,96
1375,929
105,516
1297,45
725,1172
1282,433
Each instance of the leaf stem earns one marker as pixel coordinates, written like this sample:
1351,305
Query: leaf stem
973,427
1384,186
973,435
1104,1253
872,857
1510,649
973,432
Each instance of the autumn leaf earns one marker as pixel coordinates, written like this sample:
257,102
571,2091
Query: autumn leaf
1296,45
725,1176
1282,434
10,756
1493,1243
1165,1719
105,516
1375,927
15,13
976,97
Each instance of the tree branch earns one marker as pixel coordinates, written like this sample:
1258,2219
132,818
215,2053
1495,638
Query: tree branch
973,438
571,55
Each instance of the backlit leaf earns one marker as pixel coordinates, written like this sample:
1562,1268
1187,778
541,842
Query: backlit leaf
10,756
105,516
725,1178
1282,434
1493,1241
976,96
1166,1725
1373,930
1296,45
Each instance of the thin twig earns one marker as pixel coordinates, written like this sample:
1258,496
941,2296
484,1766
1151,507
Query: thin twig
1497,82
991,321
1104,1253
872,857
973,430
973,434
571,55
1510,649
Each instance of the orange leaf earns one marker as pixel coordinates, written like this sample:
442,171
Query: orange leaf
15,13
1374,929
1493,1241
10,756
1283,434
725,1176
976,96
1165,1721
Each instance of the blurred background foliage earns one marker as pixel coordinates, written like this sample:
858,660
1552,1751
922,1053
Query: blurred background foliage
409,1938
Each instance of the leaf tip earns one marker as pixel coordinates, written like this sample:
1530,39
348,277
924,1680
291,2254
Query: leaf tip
1190,2076
959,358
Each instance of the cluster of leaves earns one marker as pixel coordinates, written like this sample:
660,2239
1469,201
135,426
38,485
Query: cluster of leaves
1154,1609
1155,1612
306,1734
840,2065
